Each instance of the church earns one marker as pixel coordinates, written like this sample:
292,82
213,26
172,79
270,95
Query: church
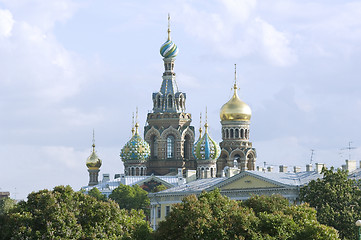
185,161
169,148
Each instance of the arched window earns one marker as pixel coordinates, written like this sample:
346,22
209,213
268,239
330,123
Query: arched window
246,134
227,133
236,133
133,174
186,147
170,146
231,133
170,101
242,133
154,147
158,101
181,101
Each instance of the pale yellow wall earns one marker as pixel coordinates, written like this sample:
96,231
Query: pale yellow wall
248,182
163,212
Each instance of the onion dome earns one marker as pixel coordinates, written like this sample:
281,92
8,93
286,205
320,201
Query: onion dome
93,161
169,49
235,109
136,148
206,148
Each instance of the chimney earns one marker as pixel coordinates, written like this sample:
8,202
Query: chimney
269,169
351,165
180,176
319,167
309,168
106,177
232,171
191,175
283,168
296,169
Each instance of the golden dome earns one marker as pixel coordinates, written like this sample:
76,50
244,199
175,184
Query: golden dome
235,109
93,161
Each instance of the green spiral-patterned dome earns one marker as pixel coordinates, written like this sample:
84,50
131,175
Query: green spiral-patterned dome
135,149
206,148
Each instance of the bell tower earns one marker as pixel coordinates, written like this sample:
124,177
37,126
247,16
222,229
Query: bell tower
236,148
168,130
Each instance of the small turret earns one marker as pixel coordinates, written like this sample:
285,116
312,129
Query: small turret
93,163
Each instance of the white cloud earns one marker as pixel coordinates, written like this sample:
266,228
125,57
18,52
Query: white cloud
237,32
37,66
241,11
6,22
275,45
43,14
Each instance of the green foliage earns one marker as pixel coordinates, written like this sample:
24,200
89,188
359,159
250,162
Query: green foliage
213,216
65,214
6,204
159,188
337,200
131,197
94,192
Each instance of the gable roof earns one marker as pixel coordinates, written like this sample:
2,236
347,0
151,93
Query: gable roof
283,180
286,179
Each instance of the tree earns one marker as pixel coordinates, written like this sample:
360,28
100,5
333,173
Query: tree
6,204
337,200
65,214
94,192
213,216
159,188
131,197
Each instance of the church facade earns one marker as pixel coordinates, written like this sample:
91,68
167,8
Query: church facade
169,146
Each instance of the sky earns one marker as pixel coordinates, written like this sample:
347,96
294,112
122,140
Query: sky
68,67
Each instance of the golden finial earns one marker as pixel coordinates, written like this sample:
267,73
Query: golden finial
235,77
93,141
133,125
206,124
200,125
136,122
168,27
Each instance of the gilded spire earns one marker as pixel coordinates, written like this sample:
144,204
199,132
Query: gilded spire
200,125
93,162
235,78
93,141
133,125
235,109
206,124
169,27
136,123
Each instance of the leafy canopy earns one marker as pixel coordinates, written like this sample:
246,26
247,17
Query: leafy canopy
65,214
337,200
213,216
131,197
